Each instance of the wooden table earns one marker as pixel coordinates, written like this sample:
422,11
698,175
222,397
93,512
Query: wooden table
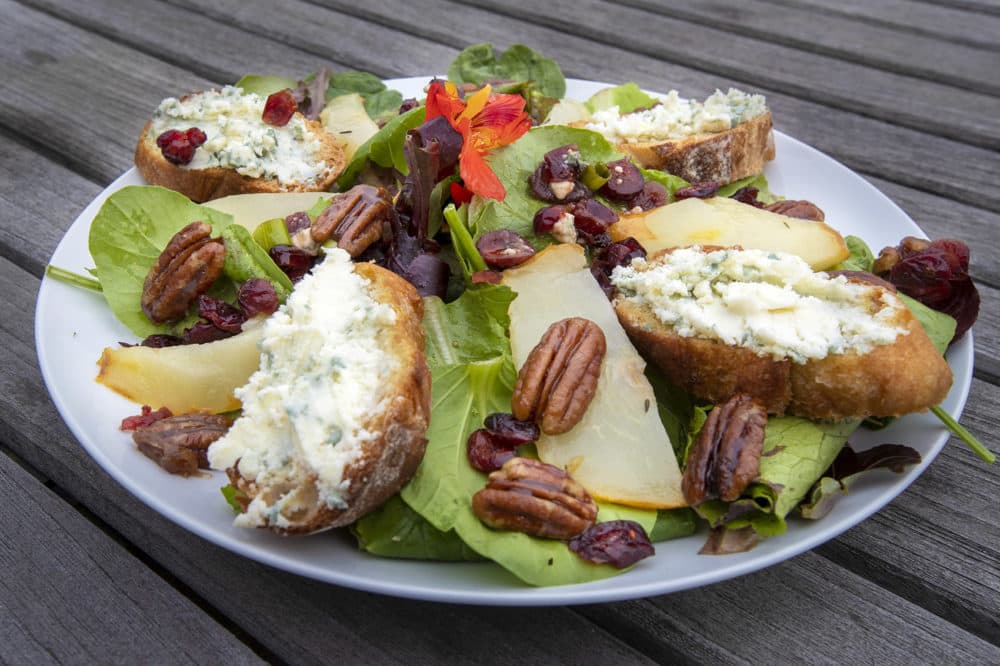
906,93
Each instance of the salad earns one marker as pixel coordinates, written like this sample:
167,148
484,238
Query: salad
450,210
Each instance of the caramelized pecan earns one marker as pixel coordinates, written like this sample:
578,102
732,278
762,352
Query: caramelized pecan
726,457
559,379
354,219
185,269
179,444
530,496
800,208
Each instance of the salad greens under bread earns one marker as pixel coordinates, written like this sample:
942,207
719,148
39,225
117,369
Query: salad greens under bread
460,171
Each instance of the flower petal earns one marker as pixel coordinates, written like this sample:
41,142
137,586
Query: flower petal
475,103
443,100
476,173
501,122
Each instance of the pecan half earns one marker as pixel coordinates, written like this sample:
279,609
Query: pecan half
533,497
354,219
179,444
185,269
726,457
559,379
800,208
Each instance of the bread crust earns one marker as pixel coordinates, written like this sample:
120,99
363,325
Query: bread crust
720,156
390,459
200,185
906,376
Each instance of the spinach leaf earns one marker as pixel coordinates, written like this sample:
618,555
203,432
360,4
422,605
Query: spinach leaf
396,530
627,97
479,64
246,259
861,257
759,181
126,238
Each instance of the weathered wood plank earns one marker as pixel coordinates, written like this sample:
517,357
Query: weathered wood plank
871,146
935,108
69,593
920,18
846,39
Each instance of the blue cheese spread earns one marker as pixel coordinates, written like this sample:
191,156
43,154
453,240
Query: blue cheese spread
238,138
305,409
676,117
772,303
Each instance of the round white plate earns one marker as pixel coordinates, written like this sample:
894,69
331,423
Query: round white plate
72,326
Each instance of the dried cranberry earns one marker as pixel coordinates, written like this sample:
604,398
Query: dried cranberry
652,195
297,222
936,278
509,431
625,180
158,340
504,248
279,108
203,332
486,277
178,146
747,195
221,314
597,242
540,180
486,453
257,296
620,543
563,163
147,417
617,254
546,218
698,190
408,104
592,217
294,262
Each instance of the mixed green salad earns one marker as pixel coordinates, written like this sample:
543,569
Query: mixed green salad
804,466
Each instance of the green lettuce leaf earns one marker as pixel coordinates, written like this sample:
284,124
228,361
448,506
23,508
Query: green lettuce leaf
396,530
759,181
479,64
940,327
861,257
515,163
627,97
126,238
246,259
384,148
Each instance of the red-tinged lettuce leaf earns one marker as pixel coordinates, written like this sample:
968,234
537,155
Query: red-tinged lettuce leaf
847,467
726,541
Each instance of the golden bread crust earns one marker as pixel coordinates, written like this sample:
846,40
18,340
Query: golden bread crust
721,156
213,183
392,457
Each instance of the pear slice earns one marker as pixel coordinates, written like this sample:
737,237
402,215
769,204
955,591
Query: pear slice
620,451
249,210
186,378
345,117
726,222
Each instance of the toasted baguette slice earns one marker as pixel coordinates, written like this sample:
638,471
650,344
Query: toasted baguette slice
204,184
721,156
906,375
289,497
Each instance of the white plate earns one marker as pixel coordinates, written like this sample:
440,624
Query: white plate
72,326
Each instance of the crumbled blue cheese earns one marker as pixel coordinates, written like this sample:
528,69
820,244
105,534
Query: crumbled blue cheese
304,409
772,303
675,117
238,138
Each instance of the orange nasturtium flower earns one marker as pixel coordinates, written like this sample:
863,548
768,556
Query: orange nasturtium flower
485,122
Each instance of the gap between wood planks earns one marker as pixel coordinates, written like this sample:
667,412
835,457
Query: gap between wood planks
252,643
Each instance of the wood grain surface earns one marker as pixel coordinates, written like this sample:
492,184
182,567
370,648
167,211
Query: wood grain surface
907,93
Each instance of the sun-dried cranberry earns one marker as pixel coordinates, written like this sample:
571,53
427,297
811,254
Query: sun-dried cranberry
510,431
158,340
486,277
178,146
563,163
540,183
486,453
221,314
294,262
698,190
617,254
147,417
504,248
546,218
747,195
624,182
279,108
297,222
408,104
620,543
592,217
652,195
257,296
204,331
